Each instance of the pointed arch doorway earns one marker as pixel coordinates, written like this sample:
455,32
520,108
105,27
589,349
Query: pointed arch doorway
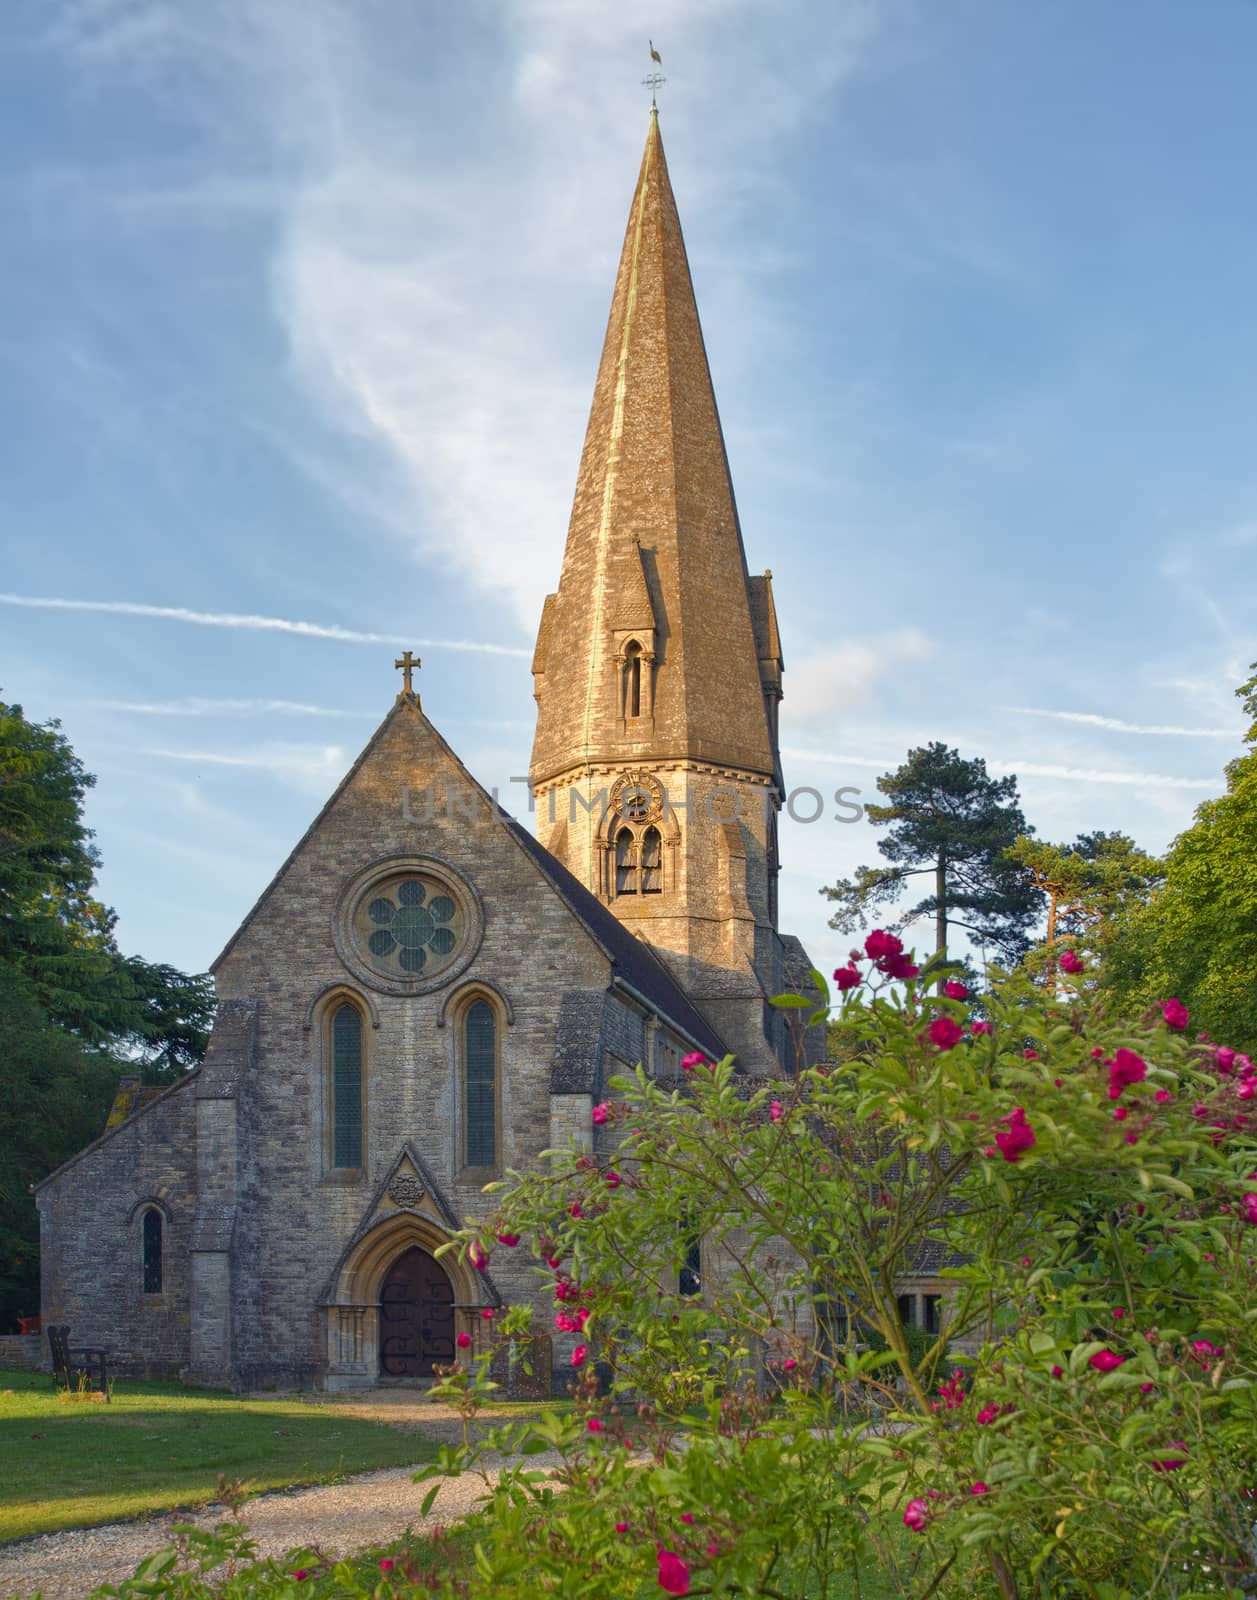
416,1316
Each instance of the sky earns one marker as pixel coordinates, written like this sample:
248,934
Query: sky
302,308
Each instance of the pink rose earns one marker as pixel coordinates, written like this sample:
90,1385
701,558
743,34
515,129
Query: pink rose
1126,1068
1017,1138
775,1112
917,1515
980,1488
387,1564
621,1527
898,966
510,1240
846,978
1175,1013
1071,963
594,1425
696,1058
1106,1361
945,1034
579,1354
674,1575
477,1257
977,1028
463,1341
612,1178
601,1113
954,990
880,944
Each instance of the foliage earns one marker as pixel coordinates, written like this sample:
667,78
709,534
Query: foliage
1087,884
1197,936
74,1012
157,1445
951,821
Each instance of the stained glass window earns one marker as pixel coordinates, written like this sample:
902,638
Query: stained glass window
410,927
347,1087
151,1242
480,1078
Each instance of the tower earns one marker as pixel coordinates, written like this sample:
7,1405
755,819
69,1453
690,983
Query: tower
657,672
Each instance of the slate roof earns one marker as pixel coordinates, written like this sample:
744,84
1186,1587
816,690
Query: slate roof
634,962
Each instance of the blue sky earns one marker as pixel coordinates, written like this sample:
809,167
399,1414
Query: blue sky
303,301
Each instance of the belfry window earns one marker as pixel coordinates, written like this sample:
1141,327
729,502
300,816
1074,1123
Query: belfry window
480,1087
633,680
652,861
625,862
150,1245
347,1087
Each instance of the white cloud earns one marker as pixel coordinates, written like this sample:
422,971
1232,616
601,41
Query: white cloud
256,624
823,687
194,706
1031,769
1115,725
313,769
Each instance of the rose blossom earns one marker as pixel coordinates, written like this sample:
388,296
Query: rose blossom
846,978
1175,1013
696,1058
881,944
945,1034
1071,963
579,1354
1106,1361
1017,1138
1126,1068
463,1341
954,990
510,1240
674,1575
601,1113
916,1515
979,1027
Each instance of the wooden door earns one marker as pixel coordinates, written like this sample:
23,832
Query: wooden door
416,1316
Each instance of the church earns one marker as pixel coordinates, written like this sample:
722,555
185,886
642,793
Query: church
428,992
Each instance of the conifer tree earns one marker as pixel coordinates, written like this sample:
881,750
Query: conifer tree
951,823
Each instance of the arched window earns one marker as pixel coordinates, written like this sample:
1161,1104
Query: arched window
347,1086
652,861
625,862
633,680
480,1087
150,1240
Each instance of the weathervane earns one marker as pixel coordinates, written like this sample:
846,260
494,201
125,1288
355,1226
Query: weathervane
656,78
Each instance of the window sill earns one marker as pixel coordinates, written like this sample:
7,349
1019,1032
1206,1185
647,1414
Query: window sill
344,1175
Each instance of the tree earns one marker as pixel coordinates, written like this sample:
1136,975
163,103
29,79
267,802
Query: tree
1087,884
949,821
1197,935
74,1012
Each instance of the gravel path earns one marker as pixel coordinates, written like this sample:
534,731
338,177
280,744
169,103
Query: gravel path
372,1508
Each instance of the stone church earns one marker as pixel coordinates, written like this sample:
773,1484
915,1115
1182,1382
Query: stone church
427,993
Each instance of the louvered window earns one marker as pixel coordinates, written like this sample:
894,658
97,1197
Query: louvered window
151,1243
652,861
480,1078
625,862
347,1087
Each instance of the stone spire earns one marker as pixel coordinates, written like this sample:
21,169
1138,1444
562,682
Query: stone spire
649,649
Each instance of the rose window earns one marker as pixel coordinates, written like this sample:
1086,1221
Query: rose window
409,927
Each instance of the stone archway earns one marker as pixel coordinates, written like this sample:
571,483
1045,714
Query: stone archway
354,1330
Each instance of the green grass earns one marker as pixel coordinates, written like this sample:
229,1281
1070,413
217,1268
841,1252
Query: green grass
69,1464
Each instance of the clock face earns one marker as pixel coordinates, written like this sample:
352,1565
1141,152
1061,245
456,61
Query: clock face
409,926
637,797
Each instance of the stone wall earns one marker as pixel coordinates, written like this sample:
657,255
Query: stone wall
24,1352
91,1215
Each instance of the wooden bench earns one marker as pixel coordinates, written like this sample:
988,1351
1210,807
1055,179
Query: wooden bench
72,1365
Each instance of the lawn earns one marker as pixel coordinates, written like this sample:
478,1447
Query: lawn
158,1445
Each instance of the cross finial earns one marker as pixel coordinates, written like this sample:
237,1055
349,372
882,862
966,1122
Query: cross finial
407,662
656,78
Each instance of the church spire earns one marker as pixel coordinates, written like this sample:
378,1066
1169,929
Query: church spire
648,651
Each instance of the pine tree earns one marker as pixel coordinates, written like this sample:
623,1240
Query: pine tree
951,822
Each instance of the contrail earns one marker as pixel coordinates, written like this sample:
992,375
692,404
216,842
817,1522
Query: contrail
194,706
232,619
1115,725
1031,769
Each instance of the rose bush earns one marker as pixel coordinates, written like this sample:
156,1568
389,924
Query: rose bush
1083,1425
